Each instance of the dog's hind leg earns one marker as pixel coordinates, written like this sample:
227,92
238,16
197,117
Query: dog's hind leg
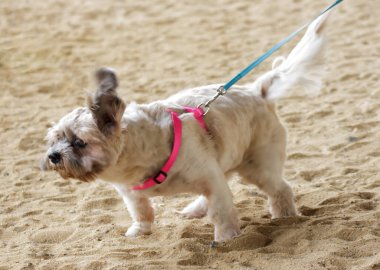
263,167
280,195
196,209
281,199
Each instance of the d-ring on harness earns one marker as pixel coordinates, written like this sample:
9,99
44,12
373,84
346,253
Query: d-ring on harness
199,113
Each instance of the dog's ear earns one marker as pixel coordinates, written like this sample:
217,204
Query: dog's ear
105,105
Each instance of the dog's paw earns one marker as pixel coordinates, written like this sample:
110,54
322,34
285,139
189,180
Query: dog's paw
224,233
196,209
193,213
282,205
139,228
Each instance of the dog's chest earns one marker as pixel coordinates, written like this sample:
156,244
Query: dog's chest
116,174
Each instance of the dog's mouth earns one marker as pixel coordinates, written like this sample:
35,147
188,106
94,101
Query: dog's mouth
62,168
78,175
84,177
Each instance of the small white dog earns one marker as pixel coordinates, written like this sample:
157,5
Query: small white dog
125,145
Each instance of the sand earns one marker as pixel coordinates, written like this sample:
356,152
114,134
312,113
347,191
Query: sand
49,48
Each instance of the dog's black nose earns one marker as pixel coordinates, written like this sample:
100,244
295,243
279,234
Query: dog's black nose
55,157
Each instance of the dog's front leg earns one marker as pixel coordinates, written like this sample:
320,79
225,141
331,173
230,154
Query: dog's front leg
221,209
140,209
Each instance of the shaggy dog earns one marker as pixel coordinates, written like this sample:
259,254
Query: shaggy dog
126,144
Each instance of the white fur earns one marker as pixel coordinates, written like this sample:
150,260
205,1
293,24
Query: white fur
196,209
244,136
302,67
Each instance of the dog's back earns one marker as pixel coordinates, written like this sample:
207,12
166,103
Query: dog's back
246,114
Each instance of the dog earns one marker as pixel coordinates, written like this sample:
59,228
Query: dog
126,144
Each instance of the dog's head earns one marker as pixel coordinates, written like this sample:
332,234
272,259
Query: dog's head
87,140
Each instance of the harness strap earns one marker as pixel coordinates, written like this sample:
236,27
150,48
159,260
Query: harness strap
161,176
198,115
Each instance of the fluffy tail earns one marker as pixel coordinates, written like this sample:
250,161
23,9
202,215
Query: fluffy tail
303,66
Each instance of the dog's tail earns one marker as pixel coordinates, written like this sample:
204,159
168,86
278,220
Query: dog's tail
303,66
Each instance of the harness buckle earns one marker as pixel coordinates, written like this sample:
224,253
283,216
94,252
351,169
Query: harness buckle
161,174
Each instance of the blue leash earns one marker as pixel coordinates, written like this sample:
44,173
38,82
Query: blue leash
275,48
223,89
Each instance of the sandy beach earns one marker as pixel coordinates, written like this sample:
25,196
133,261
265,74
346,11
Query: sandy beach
49,49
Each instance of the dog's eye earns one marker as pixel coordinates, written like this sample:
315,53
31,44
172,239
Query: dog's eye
78,143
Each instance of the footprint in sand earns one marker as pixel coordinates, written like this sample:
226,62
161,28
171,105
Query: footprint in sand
52,236
320,114
366,195
61,199
347,171
293,119
374,154
366,126
347,234
365,206
105,203
322,221
30,176
353,146
197,232
353,253
360,201
192,245
193,259
32,213
308,211
94,265
299,155
248,240
104,219
319,211
347,198
121,253
61,183
309,175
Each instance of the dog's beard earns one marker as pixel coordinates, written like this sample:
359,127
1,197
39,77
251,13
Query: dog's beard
72,166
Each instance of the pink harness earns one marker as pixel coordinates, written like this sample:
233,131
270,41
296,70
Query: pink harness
160,177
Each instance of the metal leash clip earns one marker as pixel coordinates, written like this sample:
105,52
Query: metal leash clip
206,105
